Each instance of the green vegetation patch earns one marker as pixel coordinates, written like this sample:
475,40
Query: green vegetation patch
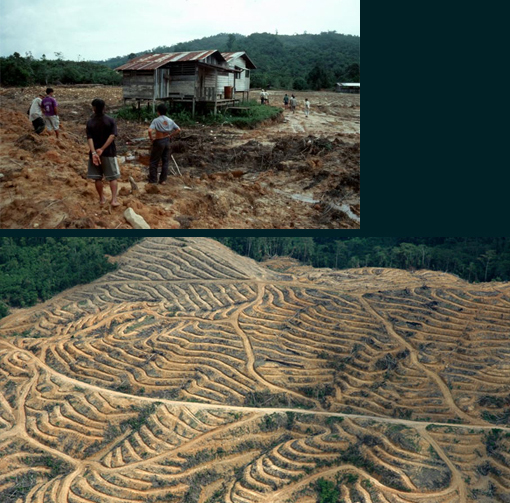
248,114
135,423
56,466
16,70
35,269
327,491
18,486
474,259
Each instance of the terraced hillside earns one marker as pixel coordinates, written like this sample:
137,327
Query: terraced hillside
191,374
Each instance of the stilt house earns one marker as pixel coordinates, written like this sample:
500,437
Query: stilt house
186,77
240,80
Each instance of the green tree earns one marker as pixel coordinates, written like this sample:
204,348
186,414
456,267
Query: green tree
15,70
231,42
299,84
319,78
327,491
487,258
352,73
32,270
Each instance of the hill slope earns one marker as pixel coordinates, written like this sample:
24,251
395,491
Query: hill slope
193,374
281,59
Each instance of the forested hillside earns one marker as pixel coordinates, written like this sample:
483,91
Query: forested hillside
474,259
287,61
16,70
33,269
283,61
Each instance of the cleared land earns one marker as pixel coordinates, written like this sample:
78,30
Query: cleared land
296,172
193,374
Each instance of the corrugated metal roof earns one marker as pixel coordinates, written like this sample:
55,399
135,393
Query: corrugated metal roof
229,56
153,61
351,84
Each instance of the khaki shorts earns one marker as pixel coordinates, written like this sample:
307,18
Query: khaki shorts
51,122
109,168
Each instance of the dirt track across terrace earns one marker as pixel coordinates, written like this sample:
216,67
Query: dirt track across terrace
295,172
193,374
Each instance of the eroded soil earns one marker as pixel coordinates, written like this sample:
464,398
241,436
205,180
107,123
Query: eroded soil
295,172
194,374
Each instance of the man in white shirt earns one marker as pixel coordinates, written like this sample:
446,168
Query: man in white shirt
164,128
307,107
293,103
36,114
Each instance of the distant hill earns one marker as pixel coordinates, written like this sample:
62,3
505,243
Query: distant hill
287,61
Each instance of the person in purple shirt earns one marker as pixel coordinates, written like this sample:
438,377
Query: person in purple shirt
49,107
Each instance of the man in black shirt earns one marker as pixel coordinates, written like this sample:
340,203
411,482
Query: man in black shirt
101,133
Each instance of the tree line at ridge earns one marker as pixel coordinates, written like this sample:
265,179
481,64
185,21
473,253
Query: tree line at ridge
16,70
473,259
283,61
34,269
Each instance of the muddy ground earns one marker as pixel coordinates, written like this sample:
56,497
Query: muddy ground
295,172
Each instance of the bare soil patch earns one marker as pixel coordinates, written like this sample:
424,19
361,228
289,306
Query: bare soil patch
295,173
193,374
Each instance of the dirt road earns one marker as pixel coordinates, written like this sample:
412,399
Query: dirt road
145,384
298,172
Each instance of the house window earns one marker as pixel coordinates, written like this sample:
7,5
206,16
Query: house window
247,74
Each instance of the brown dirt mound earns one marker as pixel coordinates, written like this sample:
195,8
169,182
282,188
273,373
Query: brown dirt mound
267,177
31,143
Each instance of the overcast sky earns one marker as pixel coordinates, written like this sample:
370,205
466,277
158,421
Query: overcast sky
101,29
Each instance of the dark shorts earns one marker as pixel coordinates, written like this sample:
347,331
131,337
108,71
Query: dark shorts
38,125
109,169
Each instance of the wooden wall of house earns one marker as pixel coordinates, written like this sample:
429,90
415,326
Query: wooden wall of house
243,82
138,85
182,79
212,91
206,85
183,84
225,80
162,82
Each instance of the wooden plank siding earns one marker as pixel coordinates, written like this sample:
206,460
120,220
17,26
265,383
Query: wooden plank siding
242,83
199,82
138,85
224,81
188,80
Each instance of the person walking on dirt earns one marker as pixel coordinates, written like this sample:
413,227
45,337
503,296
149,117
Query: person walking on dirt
50,109
101,133
164,129
307,107
293,103
286,101
36,114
